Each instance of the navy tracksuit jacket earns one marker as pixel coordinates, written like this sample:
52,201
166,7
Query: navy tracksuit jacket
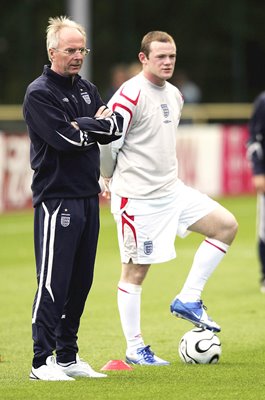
65,190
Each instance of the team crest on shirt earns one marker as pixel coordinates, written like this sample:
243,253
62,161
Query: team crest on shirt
165,110
148,247
86,97
65,220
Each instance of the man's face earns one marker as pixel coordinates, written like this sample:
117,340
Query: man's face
159,65
63,63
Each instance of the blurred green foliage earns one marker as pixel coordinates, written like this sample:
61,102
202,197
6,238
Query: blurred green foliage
221,45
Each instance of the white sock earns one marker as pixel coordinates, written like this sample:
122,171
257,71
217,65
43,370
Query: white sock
206,259
129,304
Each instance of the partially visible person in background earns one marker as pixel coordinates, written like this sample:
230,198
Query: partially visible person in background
190,90
66,119
134,68
256,154
118,75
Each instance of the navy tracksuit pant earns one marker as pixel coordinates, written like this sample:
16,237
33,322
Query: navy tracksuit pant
261,233
65,237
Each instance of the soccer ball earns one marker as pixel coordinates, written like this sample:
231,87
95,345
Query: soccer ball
200,346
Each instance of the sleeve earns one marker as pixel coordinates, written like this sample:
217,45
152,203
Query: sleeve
256,142
102,130
44,115
125,102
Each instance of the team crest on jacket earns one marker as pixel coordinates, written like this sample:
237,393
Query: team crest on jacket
65,220
148,247
86,97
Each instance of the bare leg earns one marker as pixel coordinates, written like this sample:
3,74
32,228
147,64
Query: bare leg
129,304
220,227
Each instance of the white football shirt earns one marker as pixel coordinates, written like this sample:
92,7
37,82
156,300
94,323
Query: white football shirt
143,162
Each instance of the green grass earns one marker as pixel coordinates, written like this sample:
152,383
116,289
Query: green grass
232,295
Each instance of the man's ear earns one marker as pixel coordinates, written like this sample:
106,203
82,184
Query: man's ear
51,53
142,57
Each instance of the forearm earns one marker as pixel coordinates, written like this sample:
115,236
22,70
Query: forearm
107,161
102,129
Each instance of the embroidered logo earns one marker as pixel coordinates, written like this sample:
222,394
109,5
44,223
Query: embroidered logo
65,220
165,110
148,247
86,97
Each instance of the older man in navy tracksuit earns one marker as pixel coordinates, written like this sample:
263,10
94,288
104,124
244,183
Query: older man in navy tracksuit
66,120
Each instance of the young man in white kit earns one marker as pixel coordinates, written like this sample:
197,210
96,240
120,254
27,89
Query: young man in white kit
149,202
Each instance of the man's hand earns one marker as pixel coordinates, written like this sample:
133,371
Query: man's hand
105,188
75,125
259,183
103,112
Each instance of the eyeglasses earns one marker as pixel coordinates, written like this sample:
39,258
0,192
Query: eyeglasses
70,52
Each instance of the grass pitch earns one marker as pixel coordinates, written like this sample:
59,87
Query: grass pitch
232,296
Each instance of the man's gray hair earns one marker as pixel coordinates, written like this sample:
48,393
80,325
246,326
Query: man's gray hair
54,27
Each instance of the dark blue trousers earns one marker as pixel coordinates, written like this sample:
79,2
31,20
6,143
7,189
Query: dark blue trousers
261,233
65,238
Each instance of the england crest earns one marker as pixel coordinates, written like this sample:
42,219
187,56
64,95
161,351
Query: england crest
86,97
165,110
65,220
148,247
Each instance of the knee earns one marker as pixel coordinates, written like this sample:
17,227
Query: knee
134,273
231,229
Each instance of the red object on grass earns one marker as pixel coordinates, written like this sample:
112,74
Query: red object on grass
116,365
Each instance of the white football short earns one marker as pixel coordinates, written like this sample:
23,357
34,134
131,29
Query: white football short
147,229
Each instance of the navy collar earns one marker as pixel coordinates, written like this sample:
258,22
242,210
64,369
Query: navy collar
64,81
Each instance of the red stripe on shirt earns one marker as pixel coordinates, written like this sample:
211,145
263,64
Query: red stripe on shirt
134,102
